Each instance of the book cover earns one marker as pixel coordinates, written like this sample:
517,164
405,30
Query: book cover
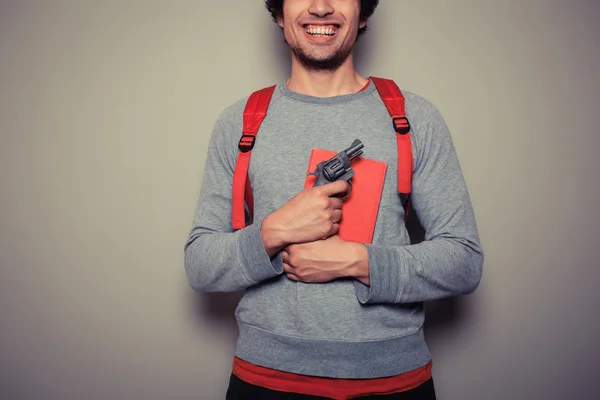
360,209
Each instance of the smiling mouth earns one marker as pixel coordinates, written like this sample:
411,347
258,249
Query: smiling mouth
315,30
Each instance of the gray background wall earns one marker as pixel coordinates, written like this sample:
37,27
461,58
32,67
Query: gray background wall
105,113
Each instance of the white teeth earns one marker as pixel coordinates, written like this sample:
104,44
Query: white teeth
320,31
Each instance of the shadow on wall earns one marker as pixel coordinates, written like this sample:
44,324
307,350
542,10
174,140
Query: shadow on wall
217,309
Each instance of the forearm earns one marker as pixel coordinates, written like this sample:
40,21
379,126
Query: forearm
224,262
438,268
426,271
448,262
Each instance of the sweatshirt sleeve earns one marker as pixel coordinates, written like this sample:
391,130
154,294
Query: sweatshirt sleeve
217,258
450,260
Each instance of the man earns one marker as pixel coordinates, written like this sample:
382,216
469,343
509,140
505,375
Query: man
322,316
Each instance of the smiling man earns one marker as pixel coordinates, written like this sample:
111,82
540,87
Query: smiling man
330,312
321,37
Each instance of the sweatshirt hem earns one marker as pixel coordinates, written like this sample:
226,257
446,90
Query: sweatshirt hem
331,358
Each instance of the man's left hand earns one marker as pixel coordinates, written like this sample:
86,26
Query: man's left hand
325,260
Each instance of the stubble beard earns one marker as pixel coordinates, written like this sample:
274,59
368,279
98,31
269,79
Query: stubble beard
328,64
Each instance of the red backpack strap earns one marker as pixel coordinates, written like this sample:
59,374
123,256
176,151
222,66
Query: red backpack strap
254,113
394,102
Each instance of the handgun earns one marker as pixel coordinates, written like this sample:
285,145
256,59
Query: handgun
338,167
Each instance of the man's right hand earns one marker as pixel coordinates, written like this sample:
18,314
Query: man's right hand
313,214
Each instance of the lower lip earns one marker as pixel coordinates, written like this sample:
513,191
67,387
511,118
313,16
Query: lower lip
321,38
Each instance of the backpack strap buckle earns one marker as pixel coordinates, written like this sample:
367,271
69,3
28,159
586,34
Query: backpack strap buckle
401,125
246,143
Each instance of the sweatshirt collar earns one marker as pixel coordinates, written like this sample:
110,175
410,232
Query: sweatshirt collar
284,91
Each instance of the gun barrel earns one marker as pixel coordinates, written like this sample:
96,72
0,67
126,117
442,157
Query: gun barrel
355,149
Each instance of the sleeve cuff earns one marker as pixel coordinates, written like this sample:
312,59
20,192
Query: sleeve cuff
255,259
384,279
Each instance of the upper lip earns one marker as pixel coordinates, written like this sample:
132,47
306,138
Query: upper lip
321,23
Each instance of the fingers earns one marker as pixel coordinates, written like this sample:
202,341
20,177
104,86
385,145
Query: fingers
336,216
285,257
336,203
334,230
336,187
289,271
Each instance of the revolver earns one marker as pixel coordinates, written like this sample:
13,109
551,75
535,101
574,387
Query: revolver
338,167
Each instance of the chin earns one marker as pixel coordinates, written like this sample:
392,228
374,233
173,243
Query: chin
326,62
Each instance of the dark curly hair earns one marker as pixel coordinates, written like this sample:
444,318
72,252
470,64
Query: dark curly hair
367,8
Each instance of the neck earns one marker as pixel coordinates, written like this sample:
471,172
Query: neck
344,80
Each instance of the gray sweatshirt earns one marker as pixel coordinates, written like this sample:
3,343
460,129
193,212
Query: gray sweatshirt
342,328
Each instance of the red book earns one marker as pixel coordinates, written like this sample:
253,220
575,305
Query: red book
359,211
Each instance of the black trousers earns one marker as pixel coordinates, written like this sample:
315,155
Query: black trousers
240,390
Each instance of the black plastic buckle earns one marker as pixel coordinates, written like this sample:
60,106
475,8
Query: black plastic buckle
401,125
246,143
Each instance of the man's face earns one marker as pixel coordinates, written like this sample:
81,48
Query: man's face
321,33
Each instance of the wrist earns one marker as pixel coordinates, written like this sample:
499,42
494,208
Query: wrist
272,237
358,267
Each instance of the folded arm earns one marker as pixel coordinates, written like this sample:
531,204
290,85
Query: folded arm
449,262
217,258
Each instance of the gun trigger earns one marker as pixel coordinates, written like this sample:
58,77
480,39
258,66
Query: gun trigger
349,191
